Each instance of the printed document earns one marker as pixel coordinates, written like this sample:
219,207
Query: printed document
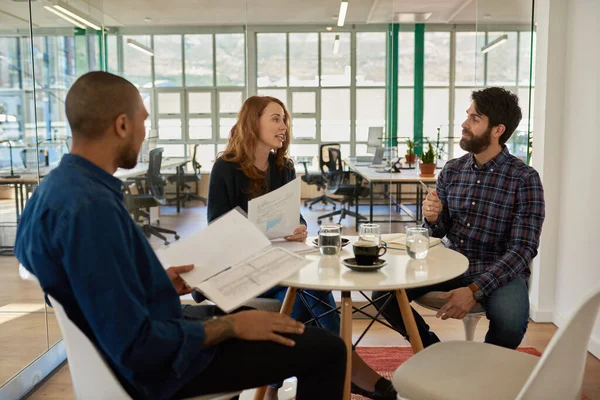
233,261
277,213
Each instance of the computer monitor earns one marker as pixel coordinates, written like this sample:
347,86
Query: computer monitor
375,138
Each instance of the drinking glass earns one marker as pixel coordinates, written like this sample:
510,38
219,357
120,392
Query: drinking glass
330,239
417,242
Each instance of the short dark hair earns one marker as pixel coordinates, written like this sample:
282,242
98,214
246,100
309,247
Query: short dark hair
501,107
96,99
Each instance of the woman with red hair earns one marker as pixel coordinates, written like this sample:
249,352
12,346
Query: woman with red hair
256,162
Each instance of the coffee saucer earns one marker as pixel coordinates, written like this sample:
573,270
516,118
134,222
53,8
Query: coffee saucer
353,265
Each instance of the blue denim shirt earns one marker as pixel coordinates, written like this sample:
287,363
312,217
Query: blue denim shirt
78,239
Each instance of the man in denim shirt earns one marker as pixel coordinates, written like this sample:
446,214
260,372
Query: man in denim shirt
78,239
490,206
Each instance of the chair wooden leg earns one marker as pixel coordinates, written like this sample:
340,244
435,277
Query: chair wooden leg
409,321
346,335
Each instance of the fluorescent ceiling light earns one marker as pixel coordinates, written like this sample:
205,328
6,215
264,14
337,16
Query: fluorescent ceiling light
336,44
77,15
65,17
138,46
492,45
412,17
343,9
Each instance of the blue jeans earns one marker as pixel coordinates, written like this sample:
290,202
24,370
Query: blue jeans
507,308
331,321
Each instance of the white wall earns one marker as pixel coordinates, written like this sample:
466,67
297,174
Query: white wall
566,149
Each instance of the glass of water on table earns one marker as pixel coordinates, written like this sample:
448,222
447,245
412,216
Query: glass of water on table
417,242
330,240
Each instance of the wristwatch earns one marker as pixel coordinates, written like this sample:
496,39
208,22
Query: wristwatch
477,293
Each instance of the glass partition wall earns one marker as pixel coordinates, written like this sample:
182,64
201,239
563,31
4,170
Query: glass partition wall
385,75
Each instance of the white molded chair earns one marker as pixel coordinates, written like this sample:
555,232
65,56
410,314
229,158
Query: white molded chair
431,302
92,377
465,370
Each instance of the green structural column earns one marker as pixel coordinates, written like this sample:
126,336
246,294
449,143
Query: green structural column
103,50
419,84
392,85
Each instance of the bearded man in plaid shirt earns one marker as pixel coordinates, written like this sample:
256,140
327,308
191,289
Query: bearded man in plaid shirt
490,207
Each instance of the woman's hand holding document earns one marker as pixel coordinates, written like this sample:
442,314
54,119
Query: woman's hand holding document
233,260
277,213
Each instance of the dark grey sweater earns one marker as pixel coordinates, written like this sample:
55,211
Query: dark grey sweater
228,186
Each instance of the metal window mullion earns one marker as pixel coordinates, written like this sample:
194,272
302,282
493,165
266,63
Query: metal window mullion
353,93
518,60
485,62
251,62
287,59
452,97
319,87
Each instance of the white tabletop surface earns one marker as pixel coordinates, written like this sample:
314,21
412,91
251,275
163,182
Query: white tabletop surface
406,175
142,167
328,273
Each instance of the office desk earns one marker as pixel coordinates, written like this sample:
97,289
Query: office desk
406,177
30,177
142,168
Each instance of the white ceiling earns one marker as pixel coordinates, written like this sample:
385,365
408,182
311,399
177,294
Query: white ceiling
15,13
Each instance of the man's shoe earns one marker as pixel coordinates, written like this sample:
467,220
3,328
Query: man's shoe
384,390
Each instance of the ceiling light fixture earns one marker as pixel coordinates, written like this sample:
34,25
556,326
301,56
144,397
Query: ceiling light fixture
65,17
140,47
336,44
329,29
76,14
492,45
342,15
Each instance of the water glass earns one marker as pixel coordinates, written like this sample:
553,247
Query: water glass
417,242
330,240
370,233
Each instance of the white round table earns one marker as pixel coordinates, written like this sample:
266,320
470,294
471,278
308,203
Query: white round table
327,273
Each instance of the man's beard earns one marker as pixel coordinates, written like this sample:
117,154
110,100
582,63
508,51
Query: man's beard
128,157
476,144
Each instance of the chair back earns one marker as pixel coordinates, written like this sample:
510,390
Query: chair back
335,175
195,164
324,157
92,378
28,158
559,373
155,180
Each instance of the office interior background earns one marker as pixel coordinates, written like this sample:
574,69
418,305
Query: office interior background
407,66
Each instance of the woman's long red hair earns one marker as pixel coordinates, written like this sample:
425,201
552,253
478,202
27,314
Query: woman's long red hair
244,137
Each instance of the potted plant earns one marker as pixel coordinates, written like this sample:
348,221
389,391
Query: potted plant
410,155
427,164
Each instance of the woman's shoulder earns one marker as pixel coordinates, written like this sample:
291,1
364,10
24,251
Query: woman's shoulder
223,165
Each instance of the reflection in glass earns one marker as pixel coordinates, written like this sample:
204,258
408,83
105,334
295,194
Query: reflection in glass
167,61
335,67
198,60
271,59
231,59
304,59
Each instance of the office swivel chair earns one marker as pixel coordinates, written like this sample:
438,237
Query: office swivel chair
184,178
320,180
338,183
151,193
28,158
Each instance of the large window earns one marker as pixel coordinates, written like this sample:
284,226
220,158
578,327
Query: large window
333,83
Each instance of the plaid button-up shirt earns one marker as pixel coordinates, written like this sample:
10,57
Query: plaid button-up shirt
493,215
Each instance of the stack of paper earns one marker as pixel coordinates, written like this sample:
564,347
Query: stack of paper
398,240
230,278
